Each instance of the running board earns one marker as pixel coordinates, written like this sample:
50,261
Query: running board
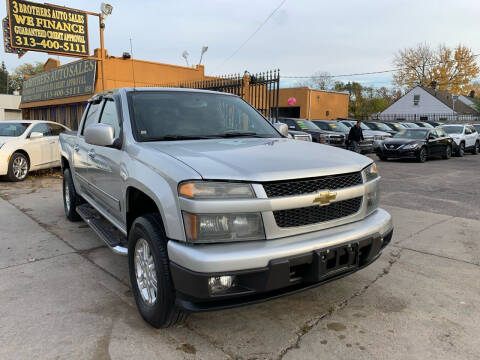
106,231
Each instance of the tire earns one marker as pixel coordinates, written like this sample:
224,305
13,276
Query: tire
382,157
18,167
448,153
156,307
422,155
461,150
476,147
70,197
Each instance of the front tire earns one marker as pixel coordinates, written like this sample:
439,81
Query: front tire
461,150
422,155
70,197
476,148
18,167
150,276
448,153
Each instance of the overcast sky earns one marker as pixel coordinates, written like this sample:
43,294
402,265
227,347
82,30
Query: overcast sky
303,37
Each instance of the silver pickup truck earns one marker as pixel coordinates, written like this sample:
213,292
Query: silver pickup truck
214,206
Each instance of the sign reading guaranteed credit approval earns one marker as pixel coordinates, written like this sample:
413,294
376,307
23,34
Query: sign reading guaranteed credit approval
47,28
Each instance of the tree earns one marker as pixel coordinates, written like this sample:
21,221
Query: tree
321,80
451,69
23,71
4,80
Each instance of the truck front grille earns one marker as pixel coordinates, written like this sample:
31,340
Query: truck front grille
312,185
317,214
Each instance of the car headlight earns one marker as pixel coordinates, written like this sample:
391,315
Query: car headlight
410,146
208,228
208,190
323,139
370,172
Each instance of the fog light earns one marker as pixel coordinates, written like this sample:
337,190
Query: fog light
218,284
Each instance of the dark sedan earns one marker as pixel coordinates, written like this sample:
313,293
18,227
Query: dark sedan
419,144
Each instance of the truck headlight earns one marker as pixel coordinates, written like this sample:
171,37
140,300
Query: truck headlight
370,172
208,190
373,198
207,228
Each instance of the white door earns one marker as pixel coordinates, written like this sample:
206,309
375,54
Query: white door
471,136
56,130
40,150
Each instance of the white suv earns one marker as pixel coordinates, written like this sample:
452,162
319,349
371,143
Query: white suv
466,138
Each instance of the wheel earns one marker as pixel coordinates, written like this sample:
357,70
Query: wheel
448,153
18,167
382,157
461,150
149,270
422,155
476,147
70,197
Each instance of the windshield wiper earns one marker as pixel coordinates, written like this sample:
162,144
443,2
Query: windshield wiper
240,133
180,137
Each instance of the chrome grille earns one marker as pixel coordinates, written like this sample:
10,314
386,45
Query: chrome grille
317,214
312,185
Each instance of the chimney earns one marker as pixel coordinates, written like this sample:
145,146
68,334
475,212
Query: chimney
433,84
472,94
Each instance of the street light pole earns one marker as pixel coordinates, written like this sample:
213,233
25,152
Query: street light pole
102,49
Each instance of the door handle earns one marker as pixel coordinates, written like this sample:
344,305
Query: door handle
76,148
91,153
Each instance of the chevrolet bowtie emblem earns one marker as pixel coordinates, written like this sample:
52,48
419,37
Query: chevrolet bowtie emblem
325,198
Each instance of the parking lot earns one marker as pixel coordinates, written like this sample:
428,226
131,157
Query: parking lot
64,294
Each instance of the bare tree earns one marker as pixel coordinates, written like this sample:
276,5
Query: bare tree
321,80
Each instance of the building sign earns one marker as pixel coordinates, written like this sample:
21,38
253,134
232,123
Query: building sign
48,28
73,79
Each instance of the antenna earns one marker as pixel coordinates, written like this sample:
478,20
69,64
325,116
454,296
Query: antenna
133,67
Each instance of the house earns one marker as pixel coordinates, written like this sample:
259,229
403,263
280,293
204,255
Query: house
430,104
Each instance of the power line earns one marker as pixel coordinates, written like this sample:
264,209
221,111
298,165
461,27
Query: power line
254,33
373,72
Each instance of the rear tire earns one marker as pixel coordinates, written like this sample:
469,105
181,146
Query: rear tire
148,265
18,167
476,148
461,150
448,153
422,155
70,197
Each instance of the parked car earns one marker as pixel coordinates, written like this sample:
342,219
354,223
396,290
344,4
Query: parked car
465,136
420,144
425,125
299,135
410,125
216,209
395,126
435,123
318,135
371,136
379,126
27,145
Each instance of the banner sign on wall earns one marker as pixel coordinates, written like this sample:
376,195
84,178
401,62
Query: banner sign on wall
48,28
73,79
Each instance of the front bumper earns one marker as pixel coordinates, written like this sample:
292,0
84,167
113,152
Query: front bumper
274,268
397,153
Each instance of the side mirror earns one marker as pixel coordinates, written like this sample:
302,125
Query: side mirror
282,128
100,134
36,135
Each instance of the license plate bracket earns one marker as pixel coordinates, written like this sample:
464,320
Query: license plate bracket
337,260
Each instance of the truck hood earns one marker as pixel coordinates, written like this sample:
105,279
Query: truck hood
257,160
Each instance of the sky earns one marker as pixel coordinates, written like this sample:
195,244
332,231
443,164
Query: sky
301,38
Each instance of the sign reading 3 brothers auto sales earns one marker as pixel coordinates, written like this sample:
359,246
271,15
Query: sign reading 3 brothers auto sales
48,28
73,79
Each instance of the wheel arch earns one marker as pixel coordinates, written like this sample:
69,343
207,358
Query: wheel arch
138,203
23,152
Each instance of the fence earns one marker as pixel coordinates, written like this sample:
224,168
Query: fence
260,90
445,118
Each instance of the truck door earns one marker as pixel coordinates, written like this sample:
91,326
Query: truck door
104,174
81,160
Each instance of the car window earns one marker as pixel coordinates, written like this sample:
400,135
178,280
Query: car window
42,128
433,134
472,129
322,125
13,129
441,133
467,130
110,116
56,129
92,115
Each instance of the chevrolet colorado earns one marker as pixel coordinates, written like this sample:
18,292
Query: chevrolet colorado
214,205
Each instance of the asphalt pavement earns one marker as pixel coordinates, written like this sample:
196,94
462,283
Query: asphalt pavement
63,294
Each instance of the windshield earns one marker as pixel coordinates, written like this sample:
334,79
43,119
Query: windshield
453,129
382,127
307,125
427,125
397,126
174,115
13,129
477,127
331,126
411,134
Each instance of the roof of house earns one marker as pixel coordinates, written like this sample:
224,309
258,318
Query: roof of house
447,98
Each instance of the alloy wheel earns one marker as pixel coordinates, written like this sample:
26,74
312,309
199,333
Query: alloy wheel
67,195
145,272
20,167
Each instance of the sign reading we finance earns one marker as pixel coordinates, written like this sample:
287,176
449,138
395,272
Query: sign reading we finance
48,28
